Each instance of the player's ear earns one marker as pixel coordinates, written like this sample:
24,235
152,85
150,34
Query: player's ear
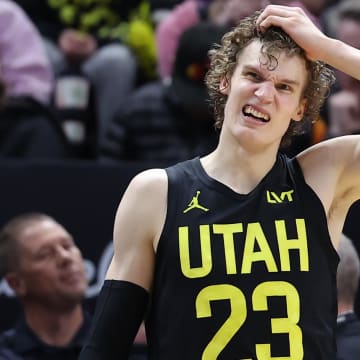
224,87
300,110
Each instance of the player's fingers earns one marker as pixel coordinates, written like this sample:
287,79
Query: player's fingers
276,15
273,20
272,10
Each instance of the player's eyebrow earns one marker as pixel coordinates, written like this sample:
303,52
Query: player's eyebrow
259,71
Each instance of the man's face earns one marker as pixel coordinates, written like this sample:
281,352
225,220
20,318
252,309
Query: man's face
262,102
51,269
348,31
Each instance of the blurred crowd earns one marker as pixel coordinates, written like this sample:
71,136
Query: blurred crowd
124,80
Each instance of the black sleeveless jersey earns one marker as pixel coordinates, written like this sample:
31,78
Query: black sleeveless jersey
243,277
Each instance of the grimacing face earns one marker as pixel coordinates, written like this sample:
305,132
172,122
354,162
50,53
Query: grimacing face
51,268
261,102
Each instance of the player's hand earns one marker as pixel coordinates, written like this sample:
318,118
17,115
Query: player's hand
298,25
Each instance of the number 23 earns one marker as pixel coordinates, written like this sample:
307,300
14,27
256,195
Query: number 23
239,313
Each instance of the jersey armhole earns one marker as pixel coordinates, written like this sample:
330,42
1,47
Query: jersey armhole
172,200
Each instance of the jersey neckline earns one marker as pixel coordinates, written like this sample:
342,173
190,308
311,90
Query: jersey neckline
211,182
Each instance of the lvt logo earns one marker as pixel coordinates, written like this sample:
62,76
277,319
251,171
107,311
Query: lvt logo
273,198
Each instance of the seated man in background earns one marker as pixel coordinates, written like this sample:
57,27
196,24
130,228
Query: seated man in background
348,326
45,269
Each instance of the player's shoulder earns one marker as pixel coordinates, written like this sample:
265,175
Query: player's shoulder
149,177
328,153
148,181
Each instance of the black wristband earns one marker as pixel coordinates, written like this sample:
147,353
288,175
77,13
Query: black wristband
120,308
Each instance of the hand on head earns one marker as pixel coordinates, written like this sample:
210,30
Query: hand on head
297,24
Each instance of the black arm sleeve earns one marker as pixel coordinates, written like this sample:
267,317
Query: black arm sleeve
120,308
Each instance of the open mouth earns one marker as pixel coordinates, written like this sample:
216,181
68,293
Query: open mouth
248,110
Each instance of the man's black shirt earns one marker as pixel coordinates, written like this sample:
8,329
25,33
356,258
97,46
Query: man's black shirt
21,343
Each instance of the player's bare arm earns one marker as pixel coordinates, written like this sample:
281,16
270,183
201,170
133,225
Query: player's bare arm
316,44
138,224
332,169
124,296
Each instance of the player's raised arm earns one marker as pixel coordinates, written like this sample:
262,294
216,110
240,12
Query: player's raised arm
316,44
124,296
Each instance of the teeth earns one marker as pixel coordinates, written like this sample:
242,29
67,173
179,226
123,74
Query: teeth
250,110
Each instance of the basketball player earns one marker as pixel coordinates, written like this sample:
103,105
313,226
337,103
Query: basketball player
232,256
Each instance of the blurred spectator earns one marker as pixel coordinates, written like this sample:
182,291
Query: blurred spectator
83,42
348,326
328,16
344,105
169,122
315,7
28,128
190,12
25,68
45,269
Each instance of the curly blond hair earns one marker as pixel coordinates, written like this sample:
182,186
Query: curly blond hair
223,61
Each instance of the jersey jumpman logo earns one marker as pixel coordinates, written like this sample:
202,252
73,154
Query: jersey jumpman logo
194,203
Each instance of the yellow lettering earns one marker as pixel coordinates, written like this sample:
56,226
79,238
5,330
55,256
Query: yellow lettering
205,247
228,230
288,195
255,234
286,244
288,325
232,324
272,198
